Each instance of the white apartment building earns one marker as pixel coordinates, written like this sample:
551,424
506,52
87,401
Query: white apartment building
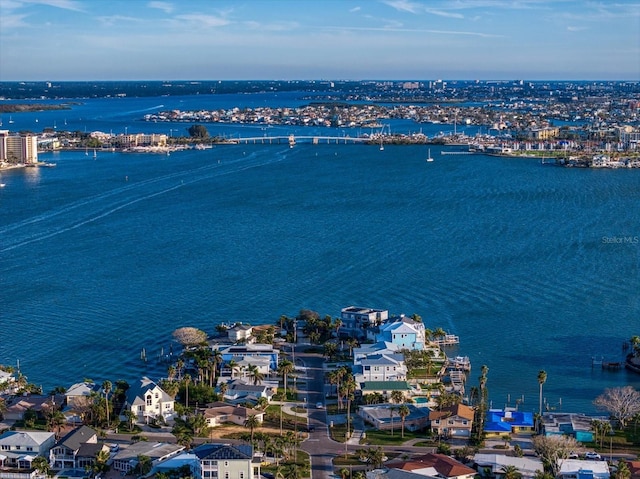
16,149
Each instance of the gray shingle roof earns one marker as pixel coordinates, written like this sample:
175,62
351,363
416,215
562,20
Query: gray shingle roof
223,451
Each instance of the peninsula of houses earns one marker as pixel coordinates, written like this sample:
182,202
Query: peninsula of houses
365,393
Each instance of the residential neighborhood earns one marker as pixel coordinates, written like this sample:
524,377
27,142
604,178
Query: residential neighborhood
367,393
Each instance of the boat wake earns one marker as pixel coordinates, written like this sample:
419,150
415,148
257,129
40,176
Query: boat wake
88,210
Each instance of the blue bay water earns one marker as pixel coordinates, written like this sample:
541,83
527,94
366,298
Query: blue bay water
100,258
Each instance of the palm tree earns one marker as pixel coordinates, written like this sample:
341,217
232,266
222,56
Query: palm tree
233,366
391,411
224,387
100,464
252,422
131,418
255,374
41,465
542,378
403,412
623,471
285,368
510,472
397,396
187,380
106,387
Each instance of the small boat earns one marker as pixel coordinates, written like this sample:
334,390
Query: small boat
381,145
429,158
95,154
10,119
2,185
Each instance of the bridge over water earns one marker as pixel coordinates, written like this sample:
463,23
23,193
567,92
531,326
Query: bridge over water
292,140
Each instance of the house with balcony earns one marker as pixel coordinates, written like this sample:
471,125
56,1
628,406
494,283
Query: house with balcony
240,333
356,320
405,332
262,355
381,367
148,400
454,421
385,417
66,453
225,461
19,448
126,458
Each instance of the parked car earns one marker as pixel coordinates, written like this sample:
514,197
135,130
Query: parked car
573,455
594,456
319,405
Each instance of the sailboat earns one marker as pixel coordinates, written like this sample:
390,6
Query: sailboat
86,152
381,145
95,154
429,158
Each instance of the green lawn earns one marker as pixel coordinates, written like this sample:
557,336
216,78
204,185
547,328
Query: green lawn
384,438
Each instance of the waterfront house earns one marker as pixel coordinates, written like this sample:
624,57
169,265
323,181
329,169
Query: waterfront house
499,422
239,391
147,400
178,463
225,461
405,332
78,394
66,454
434,466
491,465
240,333
356,320
219,413
126,458
579,469
247,353
19,448
6,380
381,367
386,387
453,421
16,407
366,350
383,417
570,424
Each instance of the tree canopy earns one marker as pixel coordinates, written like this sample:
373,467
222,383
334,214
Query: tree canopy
190,336
198,131
622,403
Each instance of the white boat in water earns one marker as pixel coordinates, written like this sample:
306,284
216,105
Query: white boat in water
429,158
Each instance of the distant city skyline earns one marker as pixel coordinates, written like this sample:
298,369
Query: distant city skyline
57,40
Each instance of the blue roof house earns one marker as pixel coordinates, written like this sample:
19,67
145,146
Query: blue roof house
499,422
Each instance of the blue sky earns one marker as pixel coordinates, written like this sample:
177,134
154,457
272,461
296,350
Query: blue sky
319,39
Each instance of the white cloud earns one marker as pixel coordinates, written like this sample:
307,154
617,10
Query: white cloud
404,5
442,13
203,20
576,29
166,7
355,9
63,4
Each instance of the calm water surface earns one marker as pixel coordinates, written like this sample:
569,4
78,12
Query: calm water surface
100,258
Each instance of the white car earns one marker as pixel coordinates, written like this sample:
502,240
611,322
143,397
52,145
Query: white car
594,456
